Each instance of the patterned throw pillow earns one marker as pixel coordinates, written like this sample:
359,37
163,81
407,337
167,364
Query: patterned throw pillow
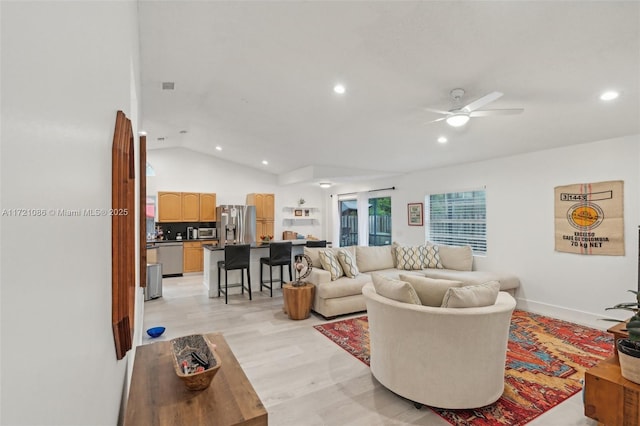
432,256
409,258
348,264
330,263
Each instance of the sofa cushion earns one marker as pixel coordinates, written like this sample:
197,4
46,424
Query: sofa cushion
373,258
472,296
507,281
430,291
400,291
348,263
330,262
343,287
432,257
459,258
409,257
314,253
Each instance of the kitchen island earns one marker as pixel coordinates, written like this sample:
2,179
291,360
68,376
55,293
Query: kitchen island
214,253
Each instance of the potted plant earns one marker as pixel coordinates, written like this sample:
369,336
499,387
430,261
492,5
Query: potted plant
629,349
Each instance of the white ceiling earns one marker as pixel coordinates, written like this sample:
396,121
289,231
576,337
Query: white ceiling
256,78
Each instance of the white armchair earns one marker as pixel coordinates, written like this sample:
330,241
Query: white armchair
449,358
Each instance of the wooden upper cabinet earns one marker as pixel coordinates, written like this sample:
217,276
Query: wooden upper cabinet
264,205
207,207
169,207
190,207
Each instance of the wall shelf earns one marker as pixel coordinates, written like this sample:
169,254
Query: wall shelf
308,216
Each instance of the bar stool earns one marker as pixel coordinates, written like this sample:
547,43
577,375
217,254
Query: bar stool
235,257
279,255
317,243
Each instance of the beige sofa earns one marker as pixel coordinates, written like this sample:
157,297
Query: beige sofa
442,357
344,295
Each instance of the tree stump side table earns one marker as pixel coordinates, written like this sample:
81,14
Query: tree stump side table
297,300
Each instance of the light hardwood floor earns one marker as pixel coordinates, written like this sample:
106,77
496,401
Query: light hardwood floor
302,378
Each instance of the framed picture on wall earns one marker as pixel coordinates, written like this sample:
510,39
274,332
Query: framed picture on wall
297,212
414,211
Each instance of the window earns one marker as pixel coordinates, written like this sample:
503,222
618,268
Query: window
458,218
380,221
348,223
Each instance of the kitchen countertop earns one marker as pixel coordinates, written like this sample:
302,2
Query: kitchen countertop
180,241
213,247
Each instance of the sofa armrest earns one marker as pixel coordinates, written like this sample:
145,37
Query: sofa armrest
319,276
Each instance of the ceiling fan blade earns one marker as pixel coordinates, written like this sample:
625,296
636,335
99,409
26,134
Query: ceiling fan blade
438,111
489,112
439,119
479,103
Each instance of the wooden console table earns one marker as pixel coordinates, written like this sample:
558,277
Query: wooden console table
609,398
158,398
297,300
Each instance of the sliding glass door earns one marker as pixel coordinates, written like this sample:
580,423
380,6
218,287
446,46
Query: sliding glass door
380,221
348,222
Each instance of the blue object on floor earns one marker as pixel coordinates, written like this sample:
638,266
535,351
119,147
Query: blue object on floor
155,331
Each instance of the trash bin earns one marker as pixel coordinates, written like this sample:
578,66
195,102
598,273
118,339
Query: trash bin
153,290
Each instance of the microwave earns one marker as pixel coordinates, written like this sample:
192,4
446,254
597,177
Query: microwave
206,233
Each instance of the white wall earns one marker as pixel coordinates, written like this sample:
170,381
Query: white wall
67,67
520,222
179,169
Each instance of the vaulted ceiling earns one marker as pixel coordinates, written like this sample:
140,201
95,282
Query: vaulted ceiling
256,79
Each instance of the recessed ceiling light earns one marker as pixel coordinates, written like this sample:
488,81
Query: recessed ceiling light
168,85
160,139
609,95
339,88
183,132
325,185
265,162
442,139
218,148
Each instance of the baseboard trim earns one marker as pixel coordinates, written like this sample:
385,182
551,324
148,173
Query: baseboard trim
571,315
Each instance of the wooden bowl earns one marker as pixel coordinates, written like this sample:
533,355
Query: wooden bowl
182,350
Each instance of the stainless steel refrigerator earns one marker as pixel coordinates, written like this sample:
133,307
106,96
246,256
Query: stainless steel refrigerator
236,224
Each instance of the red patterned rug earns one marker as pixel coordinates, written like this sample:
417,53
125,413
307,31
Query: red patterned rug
546,360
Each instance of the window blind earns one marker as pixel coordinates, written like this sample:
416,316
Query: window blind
458,218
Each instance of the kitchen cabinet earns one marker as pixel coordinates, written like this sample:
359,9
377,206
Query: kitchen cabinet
207,207
169,207
265,212
190,207
193,255
186,207
264,227
264,203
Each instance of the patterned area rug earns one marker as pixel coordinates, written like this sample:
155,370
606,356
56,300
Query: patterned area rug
546,360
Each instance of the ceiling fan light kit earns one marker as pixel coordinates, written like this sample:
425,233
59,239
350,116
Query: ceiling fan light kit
458,119
460,115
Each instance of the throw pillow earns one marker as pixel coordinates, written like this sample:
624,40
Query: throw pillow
432,256
348,264
330,263
430,291
472,296
409,258
458,258
393,289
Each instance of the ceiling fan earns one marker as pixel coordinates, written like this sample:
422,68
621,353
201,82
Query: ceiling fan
460,115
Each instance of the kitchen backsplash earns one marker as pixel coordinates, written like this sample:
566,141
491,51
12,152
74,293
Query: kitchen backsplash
170,231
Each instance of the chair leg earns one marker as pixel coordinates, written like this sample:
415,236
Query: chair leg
281,276
271,280
226,288
261,279
241,281
218,281
249,283
290,276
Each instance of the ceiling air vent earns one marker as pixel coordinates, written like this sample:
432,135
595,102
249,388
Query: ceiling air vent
168,85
